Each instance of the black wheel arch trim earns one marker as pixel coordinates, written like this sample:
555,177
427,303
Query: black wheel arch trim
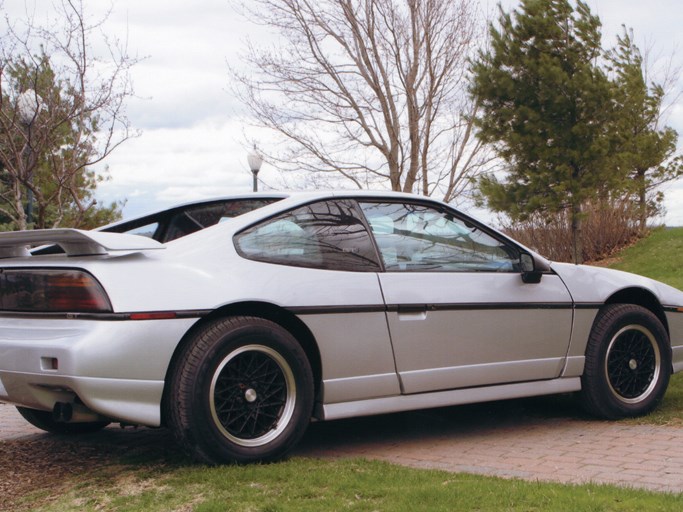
281,316
643,297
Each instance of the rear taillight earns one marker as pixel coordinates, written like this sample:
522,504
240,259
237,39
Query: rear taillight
43,290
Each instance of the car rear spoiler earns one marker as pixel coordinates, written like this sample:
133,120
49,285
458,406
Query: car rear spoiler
74,242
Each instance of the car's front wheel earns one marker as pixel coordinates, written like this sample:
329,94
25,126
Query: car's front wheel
241,391
628,363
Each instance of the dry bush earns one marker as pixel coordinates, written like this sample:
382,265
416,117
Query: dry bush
608,226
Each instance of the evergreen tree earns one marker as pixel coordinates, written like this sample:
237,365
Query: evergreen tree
647,151
546,106
50,157
63,88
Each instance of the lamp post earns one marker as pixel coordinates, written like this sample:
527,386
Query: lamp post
29,103
255,160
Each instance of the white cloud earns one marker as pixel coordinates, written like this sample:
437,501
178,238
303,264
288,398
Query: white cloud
191,146
179,97
170,165
673,203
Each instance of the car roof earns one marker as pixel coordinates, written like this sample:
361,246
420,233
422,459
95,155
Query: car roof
289,201
292,199
298,196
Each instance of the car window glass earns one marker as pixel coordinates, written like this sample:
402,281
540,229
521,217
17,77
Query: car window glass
327,235
190,219
147,230
198,217
414,237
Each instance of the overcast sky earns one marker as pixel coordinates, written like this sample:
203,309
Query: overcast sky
192,142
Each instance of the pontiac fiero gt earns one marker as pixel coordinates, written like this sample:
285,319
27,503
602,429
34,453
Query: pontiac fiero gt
316,306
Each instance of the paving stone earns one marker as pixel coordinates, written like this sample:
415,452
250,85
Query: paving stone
535,448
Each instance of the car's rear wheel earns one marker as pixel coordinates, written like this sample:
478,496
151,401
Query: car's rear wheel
241,391
44,421
628,363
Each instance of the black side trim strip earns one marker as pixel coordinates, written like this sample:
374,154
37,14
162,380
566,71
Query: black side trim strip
408,308
673,309
588,305
331,310
198,313
477,306
320,310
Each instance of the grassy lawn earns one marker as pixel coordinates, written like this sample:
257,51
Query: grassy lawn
670,411
659,256
312,485
152,483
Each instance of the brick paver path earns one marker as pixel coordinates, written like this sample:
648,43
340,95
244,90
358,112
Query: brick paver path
503,439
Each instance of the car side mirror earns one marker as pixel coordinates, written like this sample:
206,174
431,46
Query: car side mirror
531,274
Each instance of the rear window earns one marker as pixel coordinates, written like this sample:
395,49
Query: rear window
326,235
195,218
179,221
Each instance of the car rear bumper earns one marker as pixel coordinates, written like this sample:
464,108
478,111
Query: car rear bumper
116,369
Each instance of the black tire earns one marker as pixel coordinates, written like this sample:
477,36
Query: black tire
44,421
240,391
628,363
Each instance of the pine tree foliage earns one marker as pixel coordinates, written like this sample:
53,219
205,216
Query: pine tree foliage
646,149
546,106
61,112
52,158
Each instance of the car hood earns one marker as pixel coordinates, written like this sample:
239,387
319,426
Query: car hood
589,284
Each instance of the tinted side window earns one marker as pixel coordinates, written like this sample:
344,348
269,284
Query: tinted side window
202,216
147,230
327,235
414,237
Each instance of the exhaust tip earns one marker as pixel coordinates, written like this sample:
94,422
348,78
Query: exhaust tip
62,412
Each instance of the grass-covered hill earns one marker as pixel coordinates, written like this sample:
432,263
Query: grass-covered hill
659,256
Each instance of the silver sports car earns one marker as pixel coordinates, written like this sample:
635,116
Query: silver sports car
316,306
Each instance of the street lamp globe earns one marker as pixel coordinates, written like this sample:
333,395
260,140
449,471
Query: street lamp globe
255,160
28,106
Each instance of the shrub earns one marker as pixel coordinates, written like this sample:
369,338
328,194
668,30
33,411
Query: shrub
608,226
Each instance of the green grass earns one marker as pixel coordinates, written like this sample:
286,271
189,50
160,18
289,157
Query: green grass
659,256
670,411
357,485
301,484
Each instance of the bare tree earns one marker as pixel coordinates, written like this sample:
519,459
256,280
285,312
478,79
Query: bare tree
61,112
371,90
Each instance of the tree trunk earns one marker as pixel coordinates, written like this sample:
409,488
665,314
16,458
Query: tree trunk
642,200
577,234
20,220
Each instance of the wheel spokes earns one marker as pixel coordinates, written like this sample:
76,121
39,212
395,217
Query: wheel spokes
250,394
631,364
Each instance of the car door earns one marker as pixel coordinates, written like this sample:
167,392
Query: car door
458,311
322,266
